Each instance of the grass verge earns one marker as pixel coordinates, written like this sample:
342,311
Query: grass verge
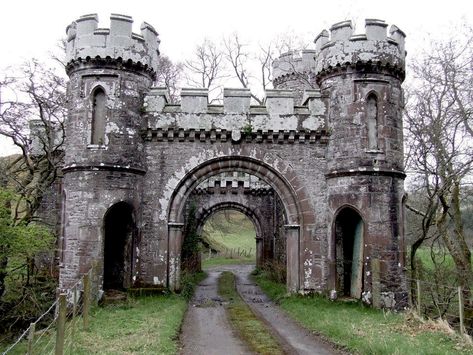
250,328
139,325
365,330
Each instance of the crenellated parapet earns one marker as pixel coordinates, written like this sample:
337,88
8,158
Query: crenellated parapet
294,65
233,183
194,118
341,48
86,42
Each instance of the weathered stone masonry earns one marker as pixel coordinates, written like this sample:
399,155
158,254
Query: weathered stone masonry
333,160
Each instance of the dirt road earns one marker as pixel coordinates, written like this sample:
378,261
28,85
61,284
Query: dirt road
206,329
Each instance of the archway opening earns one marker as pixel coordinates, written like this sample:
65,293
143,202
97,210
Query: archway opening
283,185
228,236
118,232
349,253
236,218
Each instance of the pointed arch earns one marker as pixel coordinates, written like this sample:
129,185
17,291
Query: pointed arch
98,100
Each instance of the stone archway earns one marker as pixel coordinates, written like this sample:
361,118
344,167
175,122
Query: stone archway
349,241
204,214
118,230
293,217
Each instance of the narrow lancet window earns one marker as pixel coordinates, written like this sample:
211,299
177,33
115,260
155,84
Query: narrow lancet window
372,113
98,117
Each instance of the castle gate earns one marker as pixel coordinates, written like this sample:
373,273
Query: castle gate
325,147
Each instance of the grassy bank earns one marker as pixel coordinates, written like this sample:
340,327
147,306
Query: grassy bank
138,325
229,233
249,327
142,325
365,330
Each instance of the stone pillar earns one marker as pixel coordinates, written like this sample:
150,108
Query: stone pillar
292,234
259,251
175,239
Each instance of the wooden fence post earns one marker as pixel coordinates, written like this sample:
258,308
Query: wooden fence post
61,324
375,282
461,309
31,338
85,315
419,308
74,315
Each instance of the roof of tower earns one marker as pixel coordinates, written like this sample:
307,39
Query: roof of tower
86,41
341,47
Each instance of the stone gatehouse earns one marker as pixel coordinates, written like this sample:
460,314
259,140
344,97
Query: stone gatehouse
327,146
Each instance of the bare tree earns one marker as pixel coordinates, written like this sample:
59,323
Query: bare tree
32,111
440,148
239,58
169,75
206,69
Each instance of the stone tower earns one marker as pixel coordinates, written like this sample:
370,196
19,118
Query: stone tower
110,71
360,76
294,70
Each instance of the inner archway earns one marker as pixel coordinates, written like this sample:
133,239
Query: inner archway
349,232
118,239
290,213
228,236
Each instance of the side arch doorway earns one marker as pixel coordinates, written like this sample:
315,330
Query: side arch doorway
118,228
349,236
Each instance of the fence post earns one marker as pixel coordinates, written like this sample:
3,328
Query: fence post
419,309
31,338
74,315
375,282
61,324
461,309
85,315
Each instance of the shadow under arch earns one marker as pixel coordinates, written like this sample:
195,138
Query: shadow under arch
348,240
253,216
119,238
293,216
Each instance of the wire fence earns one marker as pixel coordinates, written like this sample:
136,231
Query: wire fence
436,294
69,313
433,296
232,253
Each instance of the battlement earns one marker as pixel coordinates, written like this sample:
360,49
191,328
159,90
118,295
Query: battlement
294,62
225,183
235,101
279,112
341,47
86,41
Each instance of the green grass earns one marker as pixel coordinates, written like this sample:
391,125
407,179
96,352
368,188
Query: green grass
230,230
143,325
221,260
147,325
365,330
248,326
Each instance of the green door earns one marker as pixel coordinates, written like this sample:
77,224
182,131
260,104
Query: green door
357,261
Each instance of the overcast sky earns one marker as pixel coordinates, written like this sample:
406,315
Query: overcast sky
31,28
